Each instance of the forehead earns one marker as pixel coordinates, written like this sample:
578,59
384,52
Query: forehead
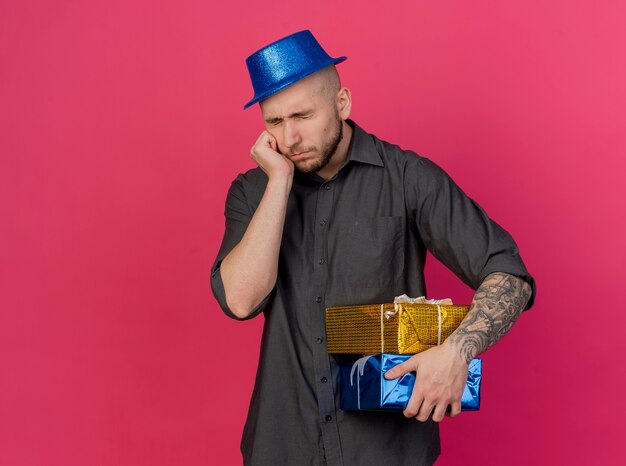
304,94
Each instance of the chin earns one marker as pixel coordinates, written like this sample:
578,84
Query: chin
309,166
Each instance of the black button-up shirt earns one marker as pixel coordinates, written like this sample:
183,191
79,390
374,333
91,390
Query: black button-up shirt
359,238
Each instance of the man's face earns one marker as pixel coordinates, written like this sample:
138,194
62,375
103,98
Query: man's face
305,123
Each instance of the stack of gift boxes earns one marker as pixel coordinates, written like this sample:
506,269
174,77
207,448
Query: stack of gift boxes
368,340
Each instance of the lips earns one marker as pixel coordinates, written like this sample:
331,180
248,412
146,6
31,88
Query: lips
298,155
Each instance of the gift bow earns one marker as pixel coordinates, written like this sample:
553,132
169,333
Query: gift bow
404,299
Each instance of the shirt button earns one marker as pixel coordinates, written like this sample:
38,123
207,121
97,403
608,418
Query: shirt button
323,222
319,339
318,299
324,379
322,261
329,418
327,187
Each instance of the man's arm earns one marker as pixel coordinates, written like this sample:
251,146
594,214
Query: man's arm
249,271
441,372
497,304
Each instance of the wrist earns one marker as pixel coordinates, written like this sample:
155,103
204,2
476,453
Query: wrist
456,345
280,181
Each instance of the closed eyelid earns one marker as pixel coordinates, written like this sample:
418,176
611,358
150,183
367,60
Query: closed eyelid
278,120
302,114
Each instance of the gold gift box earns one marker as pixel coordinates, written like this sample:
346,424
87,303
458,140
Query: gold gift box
412,329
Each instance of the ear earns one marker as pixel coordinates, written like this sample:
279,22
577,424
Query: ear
344,103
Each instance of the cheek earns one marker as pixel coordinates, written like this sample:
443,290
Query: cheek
282,149
322,132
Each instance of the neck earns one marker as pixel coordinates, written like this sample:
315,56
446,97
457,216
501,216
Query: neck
340,155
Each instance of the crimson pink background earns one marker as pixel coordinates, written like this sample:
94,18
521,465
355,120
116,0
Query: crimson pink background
121,128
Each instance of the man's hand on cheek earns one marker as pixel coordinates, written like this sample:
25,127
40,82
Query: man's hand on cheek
265,153
440,378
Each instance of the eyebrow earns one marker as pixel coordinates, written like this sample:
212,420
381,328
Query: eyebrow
272,120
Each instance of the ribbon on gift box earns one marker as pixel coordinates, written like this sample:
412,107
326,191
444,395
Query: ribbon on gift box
359,364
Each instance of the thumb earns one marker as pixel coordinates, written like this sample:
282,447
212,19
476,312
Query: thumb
407,366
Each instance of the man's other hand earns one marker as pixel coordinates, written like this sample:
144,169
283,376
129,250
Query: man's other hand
266,155
440,377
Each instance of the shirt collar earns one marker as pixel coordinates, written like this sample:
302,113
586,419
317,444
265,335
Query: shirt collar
362,147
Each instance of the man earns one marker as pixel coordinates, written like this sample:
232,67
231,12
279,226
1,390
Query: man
334,216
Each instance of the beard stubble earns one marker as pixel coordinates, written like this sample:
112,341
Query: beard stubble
327,150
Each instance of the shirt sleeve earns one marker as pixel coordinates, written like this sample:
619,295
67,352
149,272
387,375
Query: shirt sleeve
238,214
457,231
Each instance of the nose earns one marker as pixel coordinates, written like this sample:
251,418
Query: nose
291,135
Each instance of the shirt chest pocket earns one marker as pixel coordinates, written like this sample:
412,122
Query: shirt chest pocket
367,252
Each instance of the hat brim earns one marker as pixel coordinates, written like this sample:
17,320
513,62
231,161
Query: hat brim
292,79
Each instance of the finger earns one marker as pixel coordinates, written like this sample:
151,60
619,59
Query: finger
258,143
268,139
273,144
264,142
413,406
440,411
270,136
425,411
454,409
402,368
263,137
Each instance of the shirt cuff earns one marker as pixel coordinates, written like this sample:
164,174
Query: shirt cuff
517,272
217,285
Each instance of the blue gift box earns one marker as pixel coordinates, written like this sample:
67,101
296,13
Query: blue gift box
363,385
